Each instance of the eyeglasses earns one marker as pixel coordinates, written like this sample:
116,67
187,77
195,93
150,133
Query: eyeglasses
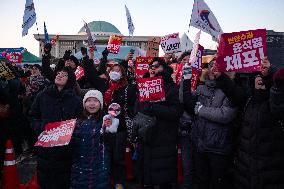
152,66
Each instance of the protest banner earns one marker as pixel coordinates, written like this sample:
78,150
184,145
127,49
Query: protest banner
196,68
79,72
53,41
171,43
142,66
14,55
114,43
151,89
241,51
153,46
56,134
5,71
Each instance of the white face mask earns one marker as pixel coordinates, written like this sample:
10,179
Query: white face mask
114,76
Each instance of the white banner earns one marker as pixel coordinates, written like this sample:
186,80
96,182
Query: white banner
194,50
171,43
203,18
29,17
130,24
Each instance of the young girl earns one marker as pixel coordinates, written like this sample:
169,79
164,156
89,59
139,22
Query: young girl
90,167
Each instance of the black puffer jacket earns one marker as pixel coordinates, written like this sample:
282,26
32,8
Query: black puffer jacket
260,155
50,105
158,158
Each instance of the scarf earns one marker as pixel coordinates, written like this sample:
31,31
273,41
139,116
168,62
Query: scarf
112,87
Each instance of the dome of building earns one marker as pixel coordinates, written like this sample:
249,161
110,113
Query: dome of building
101,27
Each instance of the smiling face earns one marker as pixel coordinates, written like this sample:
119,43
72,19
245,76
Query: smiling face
92,105
155,68
61,79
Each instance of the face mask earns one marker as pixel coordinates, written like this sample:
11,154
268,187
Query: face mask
114,76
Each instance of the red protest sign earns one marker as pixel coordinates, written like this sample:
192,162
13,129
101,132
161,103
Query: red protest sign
56,134
151,89
79,72
196,68
142,66
53,41
241,51
15,57
114,44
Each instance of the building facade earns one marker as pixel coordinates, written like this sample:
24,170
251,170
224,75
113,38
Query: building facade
101,31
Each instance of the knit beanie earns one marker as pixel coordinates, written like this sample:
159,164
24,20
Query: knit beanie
96,94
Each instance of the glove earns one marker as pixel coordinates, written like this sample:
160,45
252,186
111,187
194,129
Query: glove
197,108
105,53
47,48
187,71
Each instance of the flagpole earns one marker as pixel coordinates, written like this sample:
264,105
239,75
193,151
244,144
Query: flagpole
38,39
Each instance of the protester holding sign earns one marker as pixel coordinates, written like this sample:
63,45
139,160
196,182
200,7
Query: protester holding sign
157,150
120,92
91,163
58,102
212,132
260,148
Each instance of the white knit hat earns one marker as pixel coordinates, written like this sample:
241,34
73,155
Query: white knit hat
96,94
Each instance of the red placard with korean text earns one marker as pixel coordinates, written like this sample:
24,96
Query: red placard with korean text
151,89
79,72
241,51
196,68
56,134
114,43
142,66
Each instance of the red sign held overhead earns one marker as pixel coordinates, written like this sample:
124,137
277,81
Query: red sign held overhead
241,51
114,44
151,89
142,66
56,134
79,72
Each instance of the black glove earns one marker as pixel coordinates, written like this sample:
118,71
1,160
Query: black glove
47,48
67,54
105,53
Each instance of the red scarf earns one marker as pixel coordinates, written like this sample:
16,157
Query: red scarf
112,87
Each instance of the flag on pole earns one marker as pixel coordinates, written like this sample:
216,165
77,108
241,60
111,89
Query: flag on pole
203,18
46,37
89,35
29,17
131,27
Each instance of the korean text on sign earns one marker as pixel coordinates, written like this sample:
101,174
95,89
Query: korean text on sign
114,44
153,46
142,66
171,43
79,72
241,51
56,134
151,89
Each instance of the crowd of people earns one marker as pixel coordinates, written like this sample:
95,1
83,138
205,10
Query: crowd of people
230,128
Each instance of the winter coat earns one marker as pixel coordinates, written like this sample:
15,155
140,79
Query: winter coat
50,105
260,154
158,157
90,164
211,131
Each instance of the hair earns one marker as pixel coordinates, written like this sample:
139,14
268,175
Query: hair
122,70
38,67
184,54
71,82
